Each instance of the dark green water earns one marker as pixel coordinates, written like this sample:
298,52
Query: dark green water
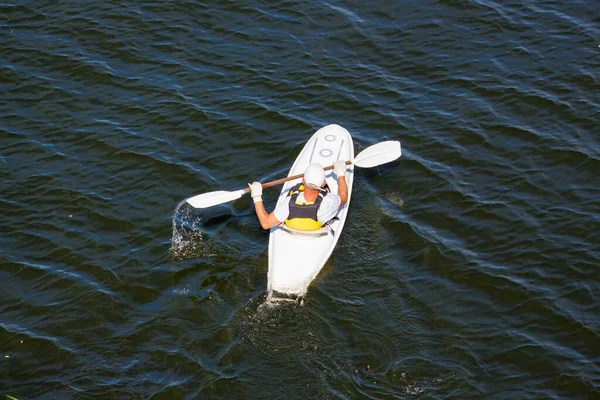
467,269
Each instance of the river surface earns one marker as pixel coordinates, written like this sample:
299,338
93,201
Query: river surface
468,268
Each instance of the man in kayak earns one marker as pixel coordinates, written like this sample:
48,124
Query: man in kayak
309,205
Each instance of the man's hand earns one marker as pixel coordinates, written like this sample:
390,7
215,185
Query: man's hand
339,168
256,191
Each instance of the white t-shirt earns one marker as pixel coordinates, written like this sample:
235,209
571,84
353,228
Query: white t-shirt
328,209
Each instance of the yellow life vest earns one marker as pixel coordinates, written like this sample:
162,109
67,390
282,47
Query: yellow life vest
303,215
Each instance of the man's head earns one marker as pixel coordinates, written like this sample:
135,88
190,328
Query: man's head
314,176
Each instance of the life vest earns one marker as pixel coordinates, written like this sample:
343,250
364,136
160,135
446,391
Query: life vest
303,215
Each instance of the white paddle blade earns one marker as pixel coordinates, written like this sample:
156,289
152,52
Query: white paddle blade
378,154
206,200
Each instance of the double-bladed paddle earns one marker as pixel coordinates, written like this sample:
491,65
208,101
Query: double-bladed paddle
372,156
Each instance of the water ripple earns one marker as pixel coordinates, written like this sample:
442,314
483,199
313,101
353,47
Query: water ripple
467,268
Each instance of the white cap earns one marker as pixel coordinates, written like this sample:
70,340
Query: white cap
314,176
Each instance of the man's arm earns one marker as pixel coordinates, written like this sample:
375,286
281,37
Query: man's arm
342,190
267,221
339,168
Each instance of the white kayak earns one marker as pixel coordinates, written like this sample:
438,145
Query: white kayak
295,257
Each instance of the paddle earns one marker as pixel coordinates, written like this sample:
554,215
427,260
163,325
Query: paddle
372,156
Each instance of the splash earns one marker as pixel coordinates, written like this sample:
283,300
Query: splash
275,299
186,240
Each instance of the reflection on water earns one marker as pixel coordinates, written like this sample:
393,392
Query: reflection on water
395,198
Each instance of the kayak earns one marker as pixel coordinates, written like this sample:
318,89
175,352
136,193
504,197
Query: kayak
297,257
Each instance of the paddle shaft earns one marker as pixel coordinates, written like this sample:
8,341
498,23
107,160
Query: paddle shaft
289,178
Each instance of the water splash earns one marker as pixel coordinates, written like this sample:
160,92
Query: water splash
274,299
187,240
265,315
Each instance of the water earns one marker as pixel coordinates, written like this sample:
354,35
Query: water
466,269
